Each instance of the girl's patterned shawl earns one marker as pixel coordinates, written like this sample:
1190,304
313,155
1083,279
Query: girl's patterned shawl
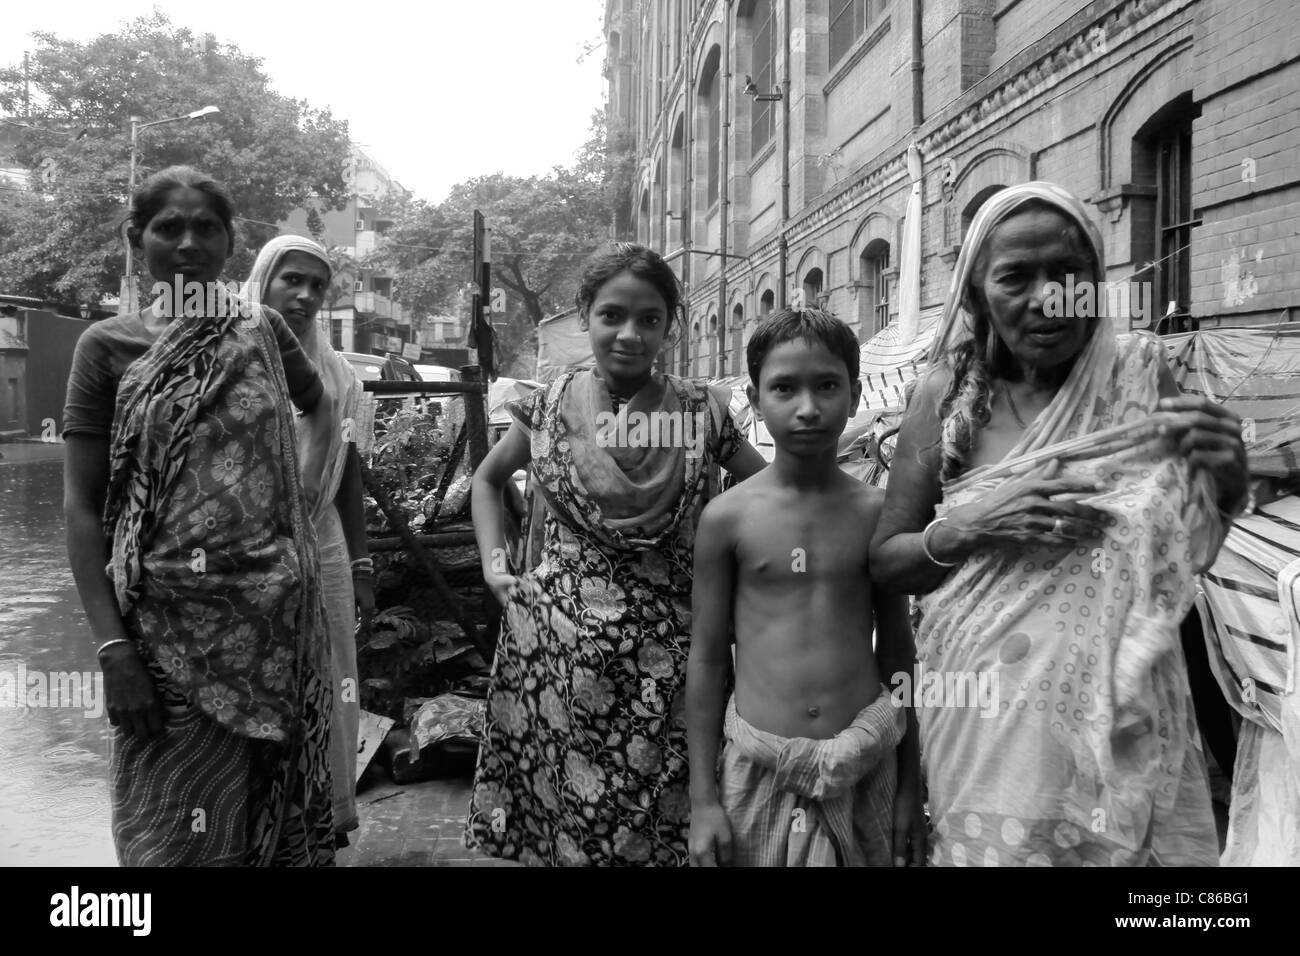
626,498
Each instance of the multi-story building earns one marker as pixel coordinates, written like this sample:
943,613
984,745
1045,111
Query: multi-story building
363,317
772,140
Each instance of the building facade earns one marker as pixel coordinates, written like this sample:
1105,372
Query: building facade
772,137
363,317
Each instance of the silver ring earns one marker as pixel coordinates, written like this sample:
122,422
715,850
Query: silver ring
1058,526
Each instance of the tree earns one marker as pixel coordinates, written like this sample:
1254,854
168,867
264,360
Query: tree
273,153
543,228
344,271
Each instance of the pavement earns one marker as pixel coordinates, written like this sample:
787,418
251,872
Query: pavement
22,452
413,824
420,824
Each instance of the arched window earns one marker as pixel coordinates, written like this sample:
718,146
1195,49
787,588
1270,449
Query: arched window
763,60
766,303
695,347
972,207
643,219
812,288
677,204
1162,157
874,293
737,339
711,95
656,198
711,350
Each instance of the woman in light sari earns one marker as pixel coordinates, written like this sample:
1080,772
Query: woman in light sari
1051,500
182,477
290,276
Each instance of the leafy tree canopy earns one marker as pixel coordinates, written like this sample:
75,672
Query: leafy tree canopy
273,153
543,228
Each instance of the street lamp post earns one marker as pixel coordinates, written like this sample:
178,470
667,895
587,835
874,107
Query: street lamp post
126,298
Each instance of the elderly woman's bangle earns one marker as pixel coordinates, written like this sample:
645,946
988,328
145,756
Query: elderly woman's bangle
116,640
925,545
363,564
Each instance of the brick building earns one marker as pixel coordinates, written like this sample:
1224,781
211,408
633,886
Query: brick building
772,138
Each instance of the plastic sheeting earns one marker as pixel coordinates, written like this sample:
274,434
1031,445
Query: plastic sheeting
561,345
1253,652
1256,373
909,263
505,390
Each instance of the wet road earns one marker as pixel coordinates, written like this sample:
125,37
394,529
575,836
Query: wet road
53,757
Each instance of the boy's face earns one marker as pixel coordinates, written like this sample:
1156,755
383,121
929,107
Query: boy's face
804,397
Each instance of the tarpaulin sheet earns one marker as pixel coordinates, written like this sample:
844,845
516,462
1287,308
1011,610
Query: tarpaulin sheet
561,345
1252,649
1256,373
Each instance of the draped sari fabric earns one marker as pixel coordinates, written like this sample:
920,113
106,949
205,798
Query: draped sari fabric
325,456
214,567
583,756
1092,756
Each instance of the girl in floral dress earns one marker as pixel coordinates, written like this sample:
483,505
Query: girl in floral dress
583,757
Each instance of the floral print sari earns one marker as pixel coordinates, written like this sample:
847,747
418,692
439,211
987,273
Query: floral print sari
583,757
215,573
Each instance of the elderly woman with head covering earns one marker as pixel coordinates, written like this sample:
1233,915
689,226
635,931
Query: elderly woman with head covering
290,276
1052,499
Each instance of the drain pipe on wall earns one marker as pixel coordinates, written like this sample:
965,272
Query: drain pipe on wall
782,245
724,200
918,67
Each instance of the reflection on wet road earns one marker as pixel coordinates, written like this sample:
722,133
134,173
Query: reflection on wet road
53,759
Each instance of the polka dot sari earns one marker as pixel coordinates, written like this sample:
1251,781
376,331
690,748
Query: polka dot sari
1086,753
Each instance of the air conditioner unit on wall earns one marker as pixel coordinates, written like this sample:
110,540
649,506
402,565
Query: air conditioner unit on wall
361,225
358,286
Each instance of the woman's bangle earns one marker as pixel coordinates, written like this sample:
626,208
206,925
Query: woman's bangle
925,545
116,640
363,564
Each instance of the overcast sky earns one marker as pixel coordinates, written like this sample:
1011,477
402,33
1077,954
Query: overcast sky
435,91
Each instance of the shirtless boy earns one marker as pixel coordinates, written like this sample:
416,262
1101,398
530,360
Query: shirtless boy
809,774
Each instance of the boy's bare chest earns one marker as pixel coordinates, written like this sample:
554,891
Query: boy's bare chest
788,548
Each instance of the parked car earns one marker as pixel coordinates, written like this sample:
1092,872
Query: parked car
369,368
438,373
372,368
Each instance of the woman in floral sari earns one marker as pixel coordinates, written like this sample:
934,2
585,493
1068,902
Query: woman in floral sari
583,757
290,276
182,477
1052,499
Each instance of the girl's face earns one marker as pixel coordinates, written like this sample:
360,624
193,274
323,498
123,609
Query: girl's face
627,323
297,289
185,237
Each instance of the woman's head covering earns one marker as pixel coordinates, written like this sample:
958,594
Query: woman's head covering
958,322
268,260
340,380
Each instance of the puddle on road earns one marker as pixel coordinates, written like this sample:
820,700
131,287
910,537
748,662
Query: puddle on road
54,807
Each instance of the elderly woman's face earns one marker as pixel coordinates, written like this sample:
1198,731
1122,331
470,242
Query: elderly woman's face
1025,252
